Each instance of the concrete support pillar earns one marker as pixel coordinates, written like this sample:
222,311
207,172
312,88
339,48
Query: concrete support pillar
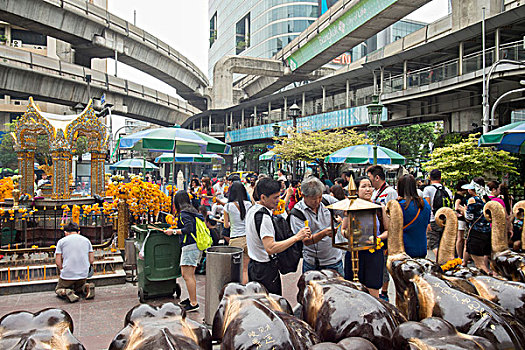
285,109
201,124
383,80
254,115
303,105
375,82
405,74
323,104
209,123
497,36
242,118
347,94
269,111
460,59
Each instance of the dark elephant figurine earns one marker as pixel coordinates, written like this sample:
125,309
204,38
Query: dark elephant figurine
248,317
508,295
352,343
420,294
147,327
505,262
436,333
337,309
235,292
46,329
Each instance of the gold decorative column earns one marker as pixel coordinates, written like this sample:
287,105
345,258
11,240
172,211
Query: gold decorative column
123,221
26,166
97,173
60,177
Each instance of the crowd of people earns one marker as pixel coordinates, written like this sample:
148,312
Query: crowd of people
240,213
234,211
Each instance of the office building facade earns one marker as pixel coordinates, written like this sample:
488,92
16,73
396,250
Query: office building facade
256,28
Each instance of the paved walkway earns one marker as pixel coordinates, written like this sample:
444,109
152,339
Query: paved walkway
97,321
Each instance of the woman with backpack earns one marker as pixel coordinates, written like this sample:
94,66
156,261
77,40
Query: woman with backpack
234,219
479,234
416,217
190,255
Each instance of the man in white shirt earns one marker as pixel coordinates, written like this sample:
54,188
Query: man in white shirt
218,188
434,231
262,246
73,257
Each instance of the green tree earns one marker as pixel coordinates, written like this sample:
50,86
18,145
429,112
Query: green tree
315,146
411,141
466,160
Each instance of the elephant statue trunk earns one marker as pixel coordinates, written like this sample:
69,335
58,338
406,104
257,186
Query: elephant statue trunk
495,213
518,211
447,218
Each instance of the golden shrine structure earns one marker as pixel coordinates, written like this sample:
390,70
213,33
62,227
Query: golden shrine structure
62,132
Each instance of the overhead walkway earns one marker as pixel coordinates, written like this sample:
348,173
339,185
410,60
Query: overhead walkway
94,32
24,74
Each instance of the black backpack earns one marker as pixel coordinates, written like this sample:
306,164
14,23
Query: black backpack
287,260
441,199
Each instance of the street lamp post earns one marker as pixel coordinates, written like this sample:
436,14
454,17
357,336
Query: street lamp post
375,111
294,112
276,129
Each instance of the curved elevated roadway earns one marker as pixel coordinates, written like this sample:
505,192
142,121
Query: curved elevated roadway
24,74
94,32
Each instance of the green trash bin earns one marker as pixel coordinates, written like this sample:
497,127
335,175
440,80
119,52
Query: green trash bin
159,269
8,236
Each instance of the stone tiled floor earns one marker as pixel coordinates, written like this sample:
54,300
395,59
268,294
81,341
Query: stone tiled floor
97,321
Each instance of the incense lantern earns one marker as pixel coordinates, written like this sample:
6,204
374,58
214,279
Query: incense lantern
362,224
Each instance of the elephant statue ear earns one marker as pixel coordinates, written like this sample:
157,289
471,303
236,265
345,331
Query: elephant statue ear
495,213
447,218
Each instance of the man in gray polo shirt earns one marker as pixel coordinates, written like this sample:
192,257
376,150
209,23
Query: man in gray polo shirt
318,252
73,257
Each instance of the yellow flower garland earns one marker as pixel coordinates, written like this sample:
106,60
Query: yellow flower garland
449,265
379,245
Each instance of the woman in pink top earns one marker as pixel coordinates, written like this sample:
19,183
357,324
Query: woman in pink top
495,192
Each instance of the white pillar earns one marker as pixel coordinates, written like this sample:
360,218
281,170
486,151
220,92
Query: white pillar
242,118
285,109
303,108
383,79
347,94
269,111
405,74
323,109
254,115
496,44
460,59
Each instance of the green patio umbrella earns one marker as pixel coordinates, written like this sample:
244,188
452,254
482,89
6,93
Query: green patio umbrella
175,140
129,164
510,138
270,155
364,154
189,158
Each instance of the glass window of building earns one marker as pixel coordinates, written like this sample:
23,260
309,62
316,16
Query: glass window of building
28,38
242,34
213,29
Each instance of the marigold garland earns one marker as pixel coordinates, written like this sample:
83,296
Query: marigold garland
280,207
379,245
449,265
